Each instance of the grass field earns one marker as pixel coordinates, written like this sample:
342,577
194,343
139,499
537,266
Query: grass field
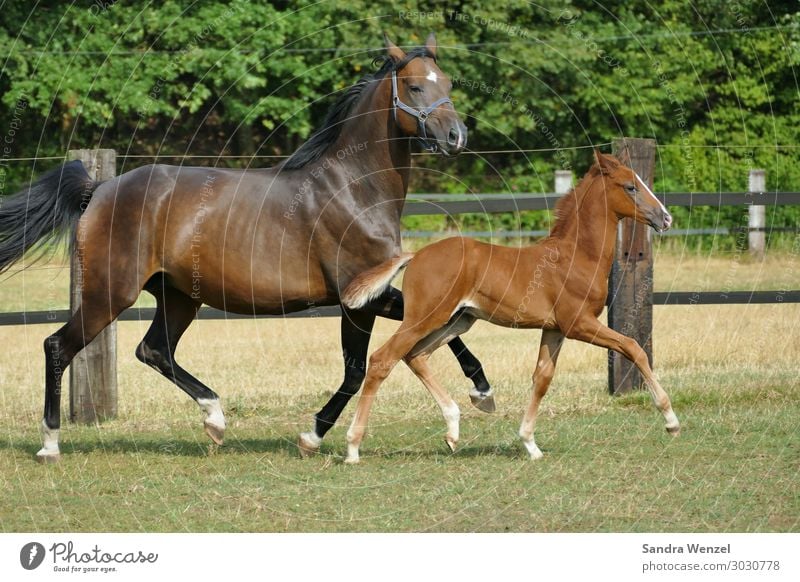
608,466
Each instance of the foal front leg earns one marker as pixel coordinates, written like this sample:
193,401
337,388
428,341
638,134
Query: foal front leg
594,332
552,340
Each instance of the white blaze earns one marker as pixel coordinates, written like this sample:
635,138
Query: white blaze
432,76
649,191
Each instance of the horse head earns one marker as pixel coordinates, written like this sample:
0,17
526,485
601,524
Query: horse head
421,102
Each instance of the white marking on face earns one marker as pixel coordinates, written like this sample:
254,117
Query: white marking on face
649,191
432,76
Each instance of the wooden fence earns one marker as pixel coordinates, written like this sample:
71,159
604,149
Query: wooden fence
93,382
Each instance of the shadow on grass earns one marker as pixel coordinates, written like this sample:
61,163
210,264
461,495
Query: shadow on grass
160,446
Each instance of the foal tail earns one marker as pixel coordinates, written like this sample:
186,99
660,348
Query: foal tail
44,212
372,282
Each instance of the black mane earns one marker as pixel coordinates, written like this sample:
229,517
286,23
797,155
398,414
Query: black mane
329,132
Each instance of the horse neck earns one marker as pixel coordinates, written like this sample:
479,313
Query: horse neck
371,143
593,227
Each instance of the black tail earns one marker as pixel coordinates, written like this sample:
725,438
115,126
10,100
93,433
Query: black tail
44,212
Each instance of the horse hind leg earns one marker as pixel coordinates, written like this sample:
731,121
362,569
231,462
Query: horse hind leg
92,317
175,311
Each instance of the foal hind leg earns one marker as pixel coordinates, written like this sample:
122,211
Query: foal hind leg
594,332
549,349
381,363
175,311
390,305
450,411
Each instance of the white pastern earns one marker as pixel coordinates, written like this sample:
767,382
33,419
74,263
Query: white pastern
533,450
672,420
311,439
474,392
452,416
352,454
213,410
49,440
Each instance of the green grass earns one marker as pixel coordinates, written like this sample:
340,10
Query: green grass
609,465
733,469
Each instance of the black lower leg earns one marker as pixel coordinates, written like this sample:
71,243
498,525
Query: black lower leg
54,371
470,365
356,331
174,314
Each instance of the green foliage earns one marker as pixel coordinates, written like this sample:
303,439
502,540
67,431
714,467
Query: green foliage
715,84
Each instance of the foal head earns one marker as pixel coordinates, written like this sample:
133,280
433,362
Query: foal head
421,99
628,196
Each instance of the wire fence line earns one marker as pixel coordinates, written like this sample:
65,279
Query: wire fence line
468,152
284,156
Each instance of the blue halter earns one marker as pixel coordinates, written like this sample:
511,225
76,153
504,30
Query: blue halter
421,114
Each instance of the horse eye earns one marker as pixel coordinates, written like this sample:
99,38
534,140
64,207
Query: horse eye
630,188
415,89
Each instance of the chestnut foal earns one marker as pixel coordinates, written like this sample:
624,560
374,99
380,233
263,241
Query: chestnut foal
558,285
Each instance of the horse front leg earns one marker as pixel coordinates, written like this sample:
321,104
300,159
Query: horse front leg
356,330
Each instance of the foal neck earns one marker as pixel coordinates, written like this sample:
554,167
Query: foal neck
586,224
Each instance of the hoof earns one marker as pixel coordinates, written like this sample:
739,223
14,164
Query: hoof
352,461
483,403
307,444
215,433
48,459
674,430
451,444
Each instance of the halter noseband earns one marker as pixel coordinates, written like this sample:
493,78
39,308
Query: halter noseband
421,114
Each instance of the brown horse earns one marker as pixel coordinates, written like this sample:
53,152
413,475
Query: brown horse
256,241
558,285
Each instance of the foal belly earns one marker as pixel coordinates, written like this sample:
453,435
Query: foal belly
519,313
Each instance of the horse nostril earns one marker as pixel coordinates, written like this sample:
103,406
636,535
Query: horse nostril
453,136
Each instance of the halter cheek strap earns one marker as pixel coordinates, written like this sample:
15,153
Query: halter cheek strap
420,114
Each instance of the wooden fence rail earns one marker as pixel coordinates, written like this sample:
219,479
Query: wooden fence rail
93,392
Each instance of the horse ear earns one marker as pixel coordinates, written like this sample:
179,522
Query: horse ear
430,44
395,52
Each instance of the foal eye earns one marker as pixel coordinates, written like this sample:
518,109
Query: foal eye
630,188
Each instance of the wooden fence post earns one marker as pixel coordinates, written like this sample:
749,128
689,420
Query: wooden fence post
757,215
93,372
630,286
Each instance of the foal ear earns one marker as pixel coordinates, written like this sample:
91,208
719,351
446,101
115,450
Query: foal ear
430,44
606,164
395,53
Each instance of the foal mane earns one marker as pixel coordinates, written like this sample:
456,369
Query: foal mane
327,134
567,207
